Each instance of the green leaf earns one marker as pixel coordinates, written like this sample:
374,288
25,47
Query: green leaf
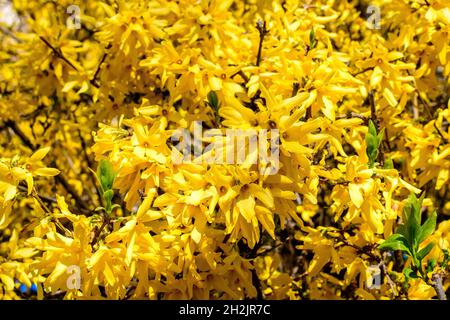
417,206
427,228
380,137
423,253
401,229
312,39
395,242
446,258
371,150
373,142
388,164
409,274
411,215
106,175
114,206
213,100
431,264
372,129
108,195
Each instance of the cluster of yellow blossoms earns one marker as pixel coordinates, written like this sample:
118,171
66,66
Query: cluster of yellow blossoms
359,94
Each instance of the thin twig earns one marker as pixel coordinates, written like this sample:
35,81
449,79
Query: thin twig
257,283
60,178
243,76
351,115
57,52
373,111
362,71
88,161
94,79
9,33
261,26
266,251
99,231
376,122
47,199
427,107
390,281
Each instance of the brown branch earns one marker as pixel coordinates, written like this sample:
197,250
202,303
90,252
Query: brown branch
376,122
257,284
351,115
266,251
437,285
57,52
106,221
10,33
88,161
243,76
94,79
63,181
362,71
15,128
262,28
47,199
373,111
60,178
427,107
390,281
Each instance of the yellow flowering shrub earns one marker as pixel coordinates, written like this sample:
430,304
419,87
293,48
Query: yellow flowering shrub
352,98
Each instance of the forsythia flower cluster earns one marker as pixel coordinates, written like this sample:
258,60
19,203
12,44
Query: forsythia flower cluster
362,113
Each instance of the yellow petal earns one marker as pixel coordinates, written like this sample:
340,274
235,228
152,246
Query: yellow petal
266,219
329,108
109,275
246,206
7,281
40,154
355,194
376,77
10,192
47,172
215,83
196,235
389,96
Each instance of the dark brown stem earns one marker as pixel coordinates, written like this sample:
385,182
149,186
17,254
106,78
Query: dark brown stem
99,231
428,108
373,117
63,181
362,71
295,88
352,115
243,76
60,178
47,199
257,283
261,26
88,162
373,111
94,79
58,53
